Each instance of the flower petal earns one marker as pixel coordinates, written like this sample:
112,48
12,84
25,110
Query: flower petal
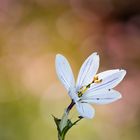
101,97
107,73
85,110
88,70
110,79
64,72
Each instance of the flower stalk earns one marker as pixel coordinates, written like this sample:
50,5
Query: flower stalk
70,106
64,124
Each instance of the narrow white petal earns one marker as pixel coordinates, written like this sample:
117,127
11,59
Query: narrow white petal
64,72
107,73
85,110
110,79
88,70
101,97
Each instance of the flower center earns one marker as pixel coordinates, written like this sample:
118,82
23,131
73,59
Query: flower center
83,89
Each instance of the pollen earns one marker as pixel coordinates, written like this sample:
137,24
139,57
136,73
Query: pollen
96,79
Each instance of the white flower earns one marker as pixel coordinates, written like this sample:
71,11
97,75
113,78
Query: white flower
90,88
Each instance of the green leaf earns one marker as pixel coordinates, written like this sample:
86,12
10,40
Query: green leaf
64,121
63,125
68,126
57,122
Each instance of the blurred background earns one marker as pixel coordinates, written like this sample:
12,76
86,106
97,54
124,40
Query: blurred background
32,32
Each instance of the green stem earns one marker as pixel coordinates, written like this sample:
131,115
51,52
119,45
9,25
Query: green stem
62,135
64,124
78,120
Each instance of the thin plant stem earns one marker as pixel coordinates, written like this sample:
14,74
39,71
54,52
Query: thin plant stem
70,106
62,137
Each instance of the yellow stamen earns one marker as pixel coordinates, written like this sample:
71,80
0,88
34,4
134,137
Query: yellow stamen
96,79
80,94
83,89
